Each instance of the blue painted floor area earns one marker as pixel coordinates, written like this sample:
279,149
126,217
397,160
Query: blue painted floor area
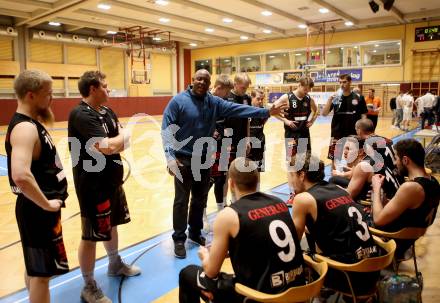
3,166
160,269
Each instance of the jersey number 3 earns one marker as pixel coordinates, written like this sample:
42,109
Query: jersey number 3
363,235
287,241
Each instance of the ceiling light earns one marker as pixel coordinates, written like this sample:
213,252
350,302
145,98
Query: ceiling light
374,6
356,47
342,48
227,20
297,54
164,20
104,6
375,51
328,52
202,63
266,13
227,60
209,30
157,38
348,23
302,26
112,32
54,23
376,45
271,56
193,44
267,31
248,59
161,2
244,37
323,10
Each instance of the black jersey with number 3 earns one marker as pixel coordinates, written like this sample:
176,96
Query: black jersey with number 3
299,111
47,169
340,230
266,254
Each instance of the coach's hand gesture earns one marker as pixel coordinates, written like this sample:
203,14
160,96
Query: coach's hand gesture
278,107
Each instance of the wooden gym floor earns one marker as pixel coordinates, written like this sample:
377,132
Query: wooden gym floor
150,195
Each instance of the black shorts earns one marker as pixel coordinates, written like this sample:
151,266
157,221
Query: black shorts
41,238
292,141
99,215
335,149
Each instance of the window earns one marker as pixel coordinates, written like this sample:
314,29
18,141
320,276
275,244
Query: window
381,53
351,56
225,65
204,64
277,61
250,64
300,59
334,57
315,57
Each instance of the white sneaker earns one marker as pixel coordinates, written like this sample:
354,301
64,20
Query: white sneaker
91,293
119,268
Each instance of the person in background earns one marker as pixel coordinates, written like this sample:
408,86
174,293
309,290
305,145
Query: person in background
256,154
298,120
407,106
222,88
374,105
399,110
425,105
393,109
347,109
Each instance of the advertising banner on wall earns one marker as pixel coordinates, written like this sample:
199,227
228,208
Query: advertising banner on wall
332,75
269,79
292,77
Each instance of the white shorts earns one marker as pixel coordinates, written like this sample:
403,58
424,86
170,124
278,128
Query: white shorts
407,115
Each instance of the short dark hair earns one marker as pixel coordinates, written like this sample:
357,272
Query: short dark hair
244,179
372,89
345,76
88,79
366,125
411,148
312,174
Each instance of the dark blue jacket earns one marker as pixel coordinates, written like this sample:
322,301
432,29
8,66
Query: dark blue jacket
195,117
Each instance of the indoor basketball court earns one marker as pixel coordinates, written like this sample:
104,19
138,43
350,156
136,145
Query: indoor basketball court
149,51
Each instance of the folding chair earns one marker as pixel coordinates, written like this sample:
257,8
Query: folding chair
293,294
364,266
407,233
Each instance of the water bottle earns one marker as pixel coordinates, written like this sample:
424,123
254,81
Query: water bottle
338,97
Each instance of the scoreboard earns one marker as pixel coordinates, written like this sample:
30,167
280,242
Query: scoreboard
429,33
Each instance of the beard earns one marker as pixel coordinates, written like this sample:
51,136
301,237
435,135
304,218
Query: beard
46,116
403,171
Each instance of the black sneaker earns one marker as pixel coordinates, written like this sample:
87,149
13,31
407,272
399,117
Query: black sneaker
179,250
198,240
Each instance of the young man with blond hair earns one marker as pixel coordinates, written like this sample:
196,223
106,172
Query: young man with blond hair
37,178
298,119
